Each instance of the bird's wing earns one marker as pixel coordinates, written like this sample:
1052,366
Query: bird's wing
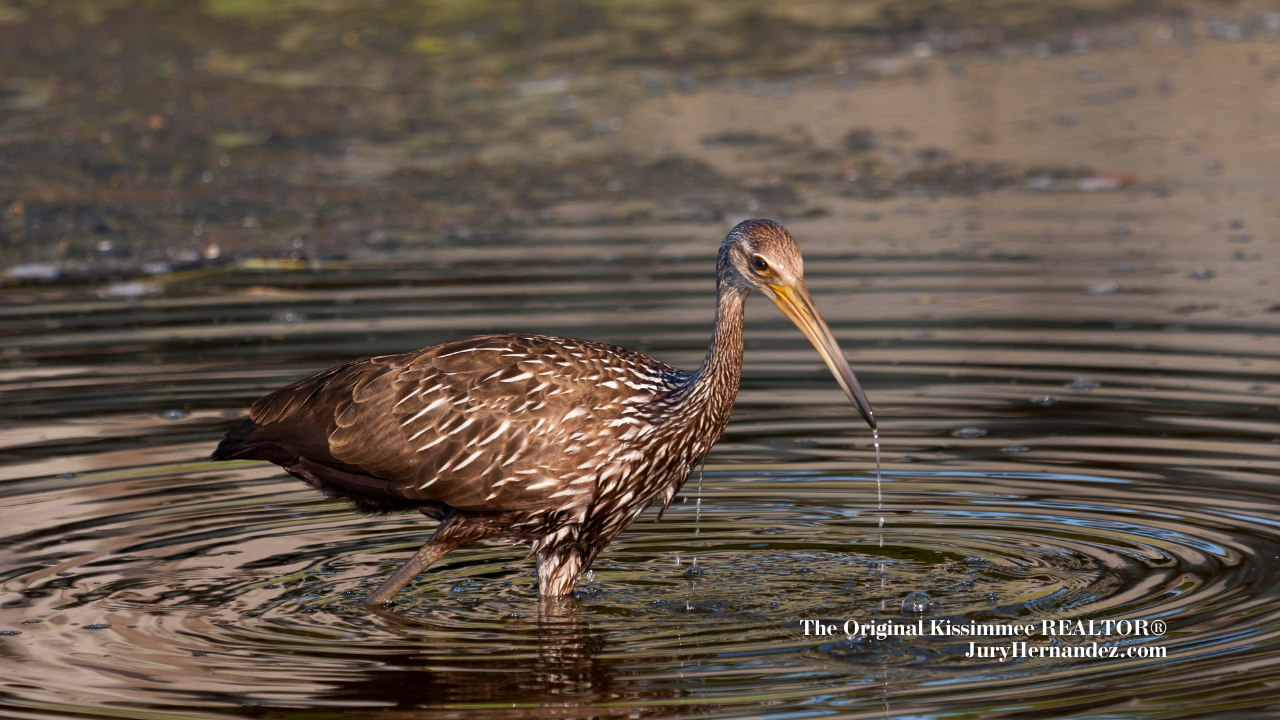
495,421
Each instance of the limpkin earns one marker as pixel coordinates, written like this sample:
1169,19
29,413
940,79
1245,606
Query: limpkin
561,443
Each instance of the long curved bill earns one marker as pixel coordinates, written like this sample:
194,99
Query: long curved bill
796,303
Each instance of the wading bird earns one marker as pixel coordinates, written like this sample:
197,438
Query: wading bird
561,443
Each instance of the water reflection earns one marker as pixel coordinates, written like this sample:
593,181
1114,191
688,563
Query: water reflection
1077,377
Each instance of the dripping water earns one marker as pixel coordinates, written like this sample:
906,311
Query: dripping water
875,433
697,509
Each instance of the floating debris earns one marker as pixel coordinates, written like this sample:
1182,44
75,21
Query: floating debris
131,290
1102,182
34,271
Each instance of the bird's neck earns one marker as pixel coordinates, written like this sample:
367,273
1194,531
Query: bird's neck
715,384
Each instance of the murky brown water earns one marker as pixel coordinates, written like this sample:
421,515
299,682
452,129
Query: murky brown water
1054,265
1042,462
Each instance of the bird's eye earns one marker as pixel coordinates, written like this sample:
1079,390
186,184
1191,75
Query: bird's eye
759,263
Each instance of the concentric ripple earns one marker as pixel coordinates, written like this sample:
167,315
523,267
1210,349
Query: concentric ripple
1038,466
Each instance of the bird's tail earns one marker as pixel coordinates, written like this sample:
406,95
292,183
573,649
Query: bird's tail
236,446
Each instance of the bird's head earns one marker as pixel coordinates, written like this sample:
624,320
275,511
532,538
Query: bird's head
761,255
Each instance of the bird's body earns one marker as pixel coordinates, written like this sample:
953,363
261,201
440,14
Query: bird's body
559,442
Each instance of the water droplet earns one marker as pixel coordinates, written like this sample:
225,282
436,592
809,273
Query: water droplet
1082,385
694,570
916,603
1014,450
1045,400
174,414
991,597
969,432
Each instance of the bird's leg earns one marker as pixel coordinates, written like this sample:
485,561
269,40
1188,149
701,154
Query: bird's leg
446,539
558,570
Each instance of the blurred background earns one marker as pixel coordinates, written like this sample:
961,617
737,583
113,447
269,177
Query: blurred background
1045,233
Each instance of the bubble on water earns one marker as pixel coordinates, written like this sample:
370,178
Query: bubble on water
975,560
804,441
1014,450
33,621
991,597
1258,388
174,414
967,585
1104,288
694,570
1082,385
97,626
968,432
916,603
1124,267
10,633
1045,400
68,475
289,317
1201,273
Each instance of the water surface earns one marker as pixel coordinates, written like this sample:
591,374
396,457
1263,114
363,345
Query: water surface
1050,453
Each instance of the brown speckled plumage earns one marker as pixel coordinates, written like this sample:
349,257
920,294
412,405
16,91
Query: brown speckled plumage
556,441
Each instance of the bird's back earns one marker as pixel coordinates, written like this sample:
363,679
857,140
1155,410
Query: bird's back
499,422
